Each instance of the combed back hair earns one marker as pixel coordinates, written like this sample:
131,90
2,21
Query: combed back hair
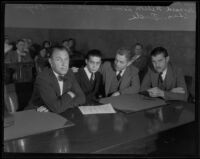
159,50
57,47
94,52
125,51
139,45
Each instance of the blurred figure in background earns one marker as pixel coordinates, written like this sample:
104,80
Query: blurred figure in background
47,45
41,60
18,55
140,60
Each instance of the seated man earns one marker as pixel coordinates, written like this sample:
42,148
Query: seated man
88,77
18,55
56,88
120,77
164,79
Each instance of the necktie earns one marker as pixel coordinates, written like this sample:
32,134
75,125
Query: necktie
160,80
119,75
61,78
92,78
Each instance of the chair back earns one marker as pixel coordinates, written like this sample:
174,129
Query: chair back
10,98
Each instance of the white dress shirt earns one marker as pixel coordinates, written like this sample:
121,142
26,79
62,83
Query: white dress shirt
117,72
59,82
164,74
88,73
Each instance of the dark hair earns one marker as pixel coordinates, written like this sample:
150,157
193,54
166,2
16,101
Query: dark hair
94,52
125,51
159,50
57,47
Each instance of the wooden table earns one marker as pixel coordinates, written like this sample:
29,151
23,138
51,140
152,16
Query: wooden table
119,133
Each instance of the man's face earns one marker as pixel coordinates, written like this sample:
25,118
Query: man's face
20,46
138,50
121,62
59,61
93,63
160,62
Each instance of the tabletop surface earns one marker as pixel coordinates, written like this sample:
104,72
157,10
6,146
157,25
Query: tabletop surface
104,132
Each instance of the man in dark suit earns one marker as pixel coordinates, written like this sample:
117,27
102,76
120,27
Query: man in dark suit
89,78
56,88
120,77
164,79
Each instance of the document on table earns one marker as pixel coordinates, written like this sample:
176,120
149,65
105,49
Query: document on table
100,109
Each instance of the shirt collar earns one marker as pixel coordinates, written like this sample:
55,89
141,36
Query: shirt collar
89,74
121,72
56,74
164,73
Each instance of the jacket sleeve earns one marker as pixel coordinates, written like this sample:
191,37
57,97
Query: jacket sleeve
180,82
80,96
135,83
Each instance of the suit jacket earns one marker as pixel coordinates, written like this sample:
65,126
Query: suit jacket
174,78
47,92
129,82
12,57
91,92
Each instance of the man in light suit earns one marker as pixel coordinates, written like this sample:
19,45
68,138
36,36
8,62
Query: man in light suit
56,89
120,77
164,79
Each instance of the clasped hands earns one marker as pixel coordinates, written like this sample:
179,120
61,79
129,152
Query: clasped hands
157,92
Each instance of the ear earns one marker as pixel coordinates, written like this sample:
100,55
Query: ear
86,61
50,62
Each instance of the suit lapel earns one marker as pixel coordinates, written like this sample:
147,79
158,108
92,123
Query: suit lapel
169,76
54,82
125,77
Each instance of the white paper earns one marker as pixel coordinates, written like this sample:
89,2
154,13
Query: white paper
101,109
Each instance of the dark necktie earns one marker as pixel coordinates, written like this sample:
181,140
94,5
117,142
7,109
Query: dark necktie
160,80
119,75
92,78
61,78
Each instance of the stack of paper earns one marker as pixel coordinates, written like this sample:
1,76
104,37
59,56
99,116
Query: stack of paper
100,109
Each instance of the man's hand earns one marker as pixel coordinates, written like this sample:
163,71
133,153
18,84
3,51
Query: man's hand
115,94
71,94
42,109
74,69
178,90
156,92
